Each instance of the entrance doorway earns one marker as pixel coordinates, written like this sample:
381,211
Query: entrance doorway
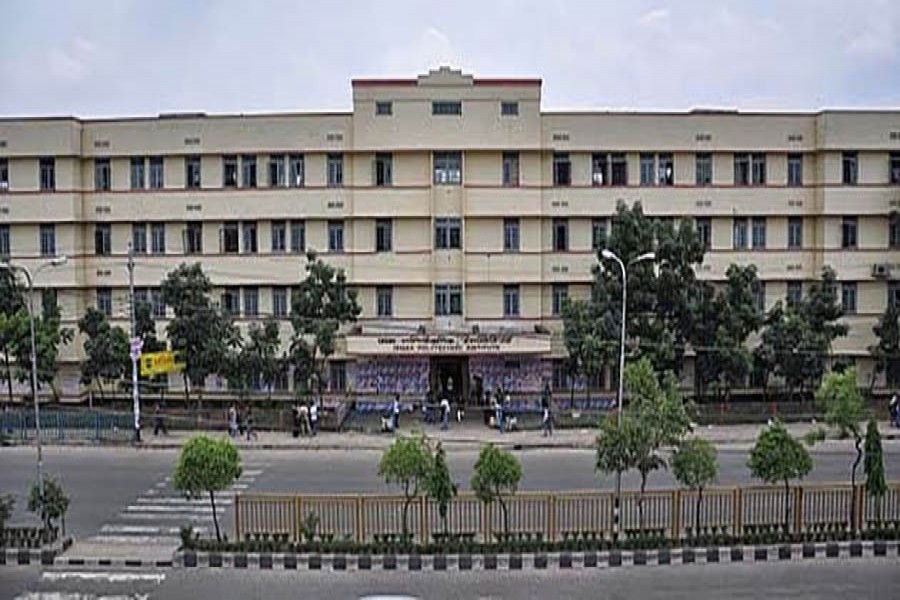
450,376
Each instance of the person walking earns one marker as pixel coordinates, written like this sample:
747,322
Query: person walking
232,421
894,407
498,411
445,414
546,401
395,409
314,418
158,422
295,417
248,418
304,420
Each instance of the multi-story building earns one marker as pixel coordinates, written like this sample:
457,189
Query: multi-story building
455,205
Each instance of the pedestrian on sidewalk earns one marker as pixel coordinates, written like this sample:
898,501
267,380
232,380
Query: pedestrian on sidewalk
314,418
445,414
251,434
894,407
546,401
304,420
498,411
295,419
232,421
158,423
395,409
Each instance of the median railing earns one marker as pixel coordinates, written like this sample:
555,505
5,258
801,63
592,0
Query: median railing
557,515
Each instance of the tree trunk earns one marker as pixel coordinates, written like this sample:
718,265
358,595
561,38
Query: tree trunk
8,375
641,502
212,500
405,511
787,505
100,388
505,512
857,441
697,510
187,393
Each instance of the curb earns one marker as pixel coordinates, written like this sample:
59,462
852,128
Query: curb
62,561
514,562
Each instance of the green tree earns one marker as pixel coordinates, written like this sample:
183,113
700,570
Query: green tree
105,348
439,485
887,351
586,337
12,313
56,502
200,332
497,474
695,466
616,445
873,466
145,329
845,409
7,504
49,336
822,311
777,457
261,351
407,463
207,466
320,305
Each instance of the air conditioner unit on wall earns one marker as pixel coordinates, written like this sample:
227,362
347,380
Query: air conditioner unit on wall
881,270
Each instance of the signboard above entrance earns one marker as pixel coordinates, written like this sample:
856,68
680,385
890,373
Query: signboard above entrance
448,345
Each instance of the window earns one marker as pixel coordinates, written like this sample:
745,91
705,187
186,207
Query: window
599,169
157,306
739,235
850,171
230,238
511,169
49,302
230,170
47,173
192,171
509,109
248,171
139,238
141,297
335,169
279,302
102,239
337,376
759,169
560,379
102,174
599,227
277,171
894,231
560,235
193,238
157,171
104,301
848,232
704,231
383,235
795,232
619,165
384,166
4,175
759,295
4,241
446,107
741,169
759,232
279,236
137,172
383,109
893,169
384,301
251,302
795,170
794,293
648,164
298,171
562,169
666,169
448,299
298,237
511,235
158,238
893,294
248,234
447,168
510,301
48,240
335,236
704,168
231,301
447,233
559,293
848,297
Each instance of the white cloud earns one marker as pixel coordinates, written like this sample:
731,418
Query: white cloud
73,62
658,16
429,49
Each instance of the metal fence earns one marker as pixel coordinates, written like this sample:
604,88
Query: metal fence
554,515
61,425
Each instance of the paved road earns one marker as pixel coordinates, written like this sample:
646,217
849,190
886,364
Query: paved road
857,579
104,482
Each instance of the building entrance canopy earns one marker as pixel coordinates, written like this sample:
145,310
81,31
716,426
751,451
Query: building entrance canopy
447,345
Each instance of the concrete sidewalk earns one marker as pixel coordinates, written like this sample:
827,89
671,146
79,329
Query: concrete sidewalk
473,435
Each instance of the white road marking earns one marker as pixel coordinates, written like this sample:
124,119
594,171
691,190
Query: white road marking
142,540
156,508
108,576
225,501
253,472
78,596
145,529
167,516
240,486
160,484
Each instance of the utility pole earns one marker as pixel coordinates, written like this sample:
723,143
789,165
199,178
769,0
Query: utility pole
135,350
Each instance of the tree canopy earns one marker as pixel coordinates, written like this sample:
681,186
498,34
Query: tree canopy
206,466
407,462
106,349
778,457
497,474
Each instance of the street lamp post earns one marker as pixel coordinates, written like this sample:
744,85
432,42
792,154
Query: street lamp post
610,255
55,262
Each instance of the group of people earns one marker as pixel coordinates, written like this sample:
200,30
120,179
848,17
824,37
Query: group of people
306,419
240,422
504,420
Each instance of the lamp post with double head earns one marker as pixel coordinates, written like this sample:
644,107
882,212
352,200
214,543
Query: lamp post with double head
55,262
610,255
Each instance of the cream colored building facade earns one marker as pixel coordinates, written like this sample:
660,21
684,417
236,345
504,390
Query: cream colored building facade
454,204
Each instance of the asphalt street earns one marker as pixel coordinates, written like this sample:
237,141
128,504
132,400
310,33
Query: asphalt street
854,578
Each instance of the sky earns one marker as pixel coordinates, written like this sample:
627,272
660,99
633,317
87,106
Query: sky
126,57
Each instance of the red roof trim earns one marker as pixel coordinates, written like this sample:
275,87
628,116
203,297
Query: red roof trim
507,82
382,82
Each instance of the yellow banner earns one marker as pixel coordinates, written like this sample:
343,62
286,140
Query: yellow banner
159,363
